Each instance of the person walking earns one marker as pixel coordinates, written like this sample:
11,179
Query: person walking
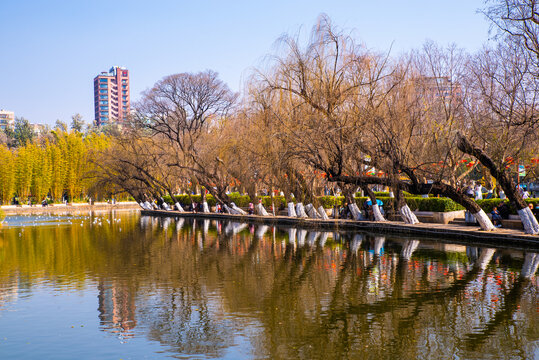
478,192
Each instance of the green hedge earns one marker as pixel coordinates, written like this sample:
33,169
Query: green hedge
414,202
279,201
488,204
376,193
432,204
329,201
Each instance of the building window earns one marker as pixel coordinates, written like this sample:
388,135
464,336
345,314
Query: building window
103,97
124,92
124,81
124,86
104,102
103,86
102,91
103,80
124,103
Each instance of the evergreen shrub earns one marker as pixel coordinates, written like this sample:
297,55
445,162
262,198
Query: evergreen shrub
436,204
488,204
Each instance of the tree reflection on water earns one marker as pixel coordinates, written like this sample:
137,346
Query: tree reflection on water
207,288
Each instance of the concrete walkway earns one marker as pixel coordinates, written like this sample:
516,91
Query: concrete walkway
505,237
71,207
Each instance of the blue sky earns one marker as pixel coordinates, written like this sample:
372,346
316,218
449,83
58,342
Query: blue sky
52,50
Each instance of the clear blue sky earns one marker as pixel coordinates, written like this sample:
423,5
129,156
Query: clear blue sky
51,50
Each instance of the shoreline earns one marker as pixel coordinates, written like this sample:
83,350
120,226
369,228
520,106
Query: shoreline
499,237
73,207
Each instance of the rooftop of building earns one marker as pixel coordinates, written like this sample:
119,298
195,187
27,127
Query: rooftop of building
112,71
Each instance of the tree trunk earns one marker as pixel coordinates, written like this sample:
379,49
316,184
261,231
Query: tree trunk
205,207
470,205
291,210
406,214
236,210
179,207
322,213
311,211
300,210
356,213
272,201
423,188
260,210
375,208
531,226
529,222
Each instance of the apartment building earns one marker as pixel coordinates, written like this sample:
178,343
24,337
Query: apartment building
111,96
7,119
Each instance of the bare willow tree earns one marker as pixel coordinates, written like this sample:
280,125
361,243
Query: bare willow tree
440,75
185,110
414,118
503,110
138,165
344,110
266,140
517,20
313,88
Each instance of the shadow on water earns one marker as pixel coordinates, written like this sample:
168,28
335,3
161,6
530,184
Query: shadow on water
210,288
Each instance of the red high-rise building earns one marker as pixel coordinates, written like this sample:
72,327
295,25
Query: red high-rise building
111,96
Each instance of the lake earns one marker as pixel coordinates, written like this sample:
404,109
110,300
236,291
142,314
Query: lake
118,285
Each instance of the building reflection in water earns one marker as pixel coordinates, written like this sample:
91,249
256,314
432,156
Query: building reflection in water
117,307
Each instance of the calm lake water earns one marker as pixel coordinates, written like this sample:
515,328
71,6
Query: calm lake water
121,286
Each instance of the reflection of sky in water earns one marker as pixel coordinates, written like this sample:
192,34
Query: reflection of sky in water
42,220
23,221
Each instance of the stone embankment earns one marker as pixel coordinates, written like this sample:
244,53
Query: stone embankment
464,233
70,207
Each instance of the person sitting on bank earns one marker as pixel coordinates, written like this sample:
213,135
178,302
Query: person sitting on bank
503,210
496,217
368,208
344,212
535,211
